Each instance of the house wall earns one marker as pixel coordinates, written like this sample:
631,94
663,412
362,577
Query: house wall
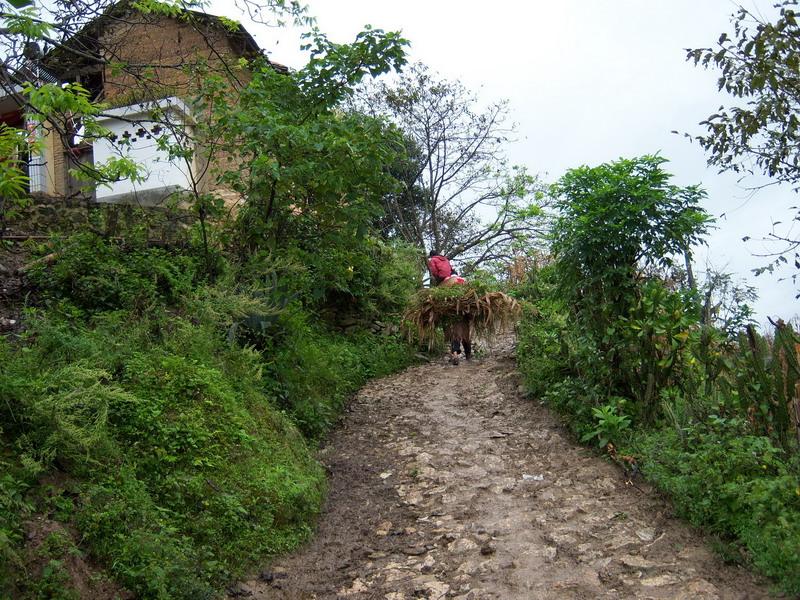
135,136
159,54
55,159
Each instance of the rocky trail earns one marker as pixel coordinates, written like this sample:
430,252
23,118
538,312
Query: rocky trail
447,482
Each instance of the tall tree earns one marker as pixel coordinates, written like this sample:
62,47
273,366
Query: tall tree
460,196
617,221
304,165
759,64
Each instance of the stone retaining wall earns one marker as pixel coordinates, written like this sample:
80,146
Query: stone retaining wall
44,216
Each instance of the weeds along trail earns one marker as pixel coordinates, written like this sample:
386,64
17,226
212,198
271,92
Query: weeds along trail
447,482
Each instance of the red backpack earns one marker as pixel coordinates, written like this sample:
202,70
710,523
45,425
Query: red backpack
439,267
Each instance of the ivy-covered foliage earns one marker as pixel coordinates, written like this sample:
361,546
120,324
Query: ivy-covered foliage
757,65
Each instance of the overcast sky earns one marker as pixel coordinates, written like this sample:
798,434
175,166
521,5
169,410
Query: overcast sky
588,81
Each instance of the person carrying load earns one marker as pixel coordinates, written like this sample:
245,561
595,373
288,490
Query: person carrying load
460,332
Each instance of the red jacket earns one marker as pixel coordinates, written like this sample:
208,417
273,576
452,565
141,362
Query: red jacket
439,267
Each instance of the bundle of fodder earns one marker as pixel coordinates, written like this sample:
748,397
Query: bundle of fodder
488,311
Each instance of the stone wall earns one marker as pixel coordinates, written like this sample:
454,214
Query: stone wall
44,216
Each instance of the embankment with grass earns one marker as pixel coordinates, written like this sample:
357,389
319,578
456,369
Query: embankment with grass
162,428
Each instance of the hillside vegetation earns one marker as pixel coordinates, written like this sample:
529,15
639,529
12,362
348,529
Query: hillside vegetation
669,380
168,422
160,406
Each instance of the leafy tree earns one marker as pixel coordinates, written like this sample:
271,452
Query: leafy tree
617,224
616,220
403,206
726,303
312,174
760,64
460,196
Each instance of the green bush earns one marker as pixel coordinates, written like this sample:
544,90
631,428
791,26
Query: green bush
610,426
373,279
14,508
185,449
737,485
540,351
719,471
181,415
95,274
314,371
187,470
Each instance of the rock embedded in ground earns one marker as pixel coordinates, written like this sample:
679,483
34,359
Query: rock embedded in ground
415,551
488,548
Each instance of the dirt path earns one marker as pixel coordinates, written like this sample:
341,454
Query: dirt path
446,482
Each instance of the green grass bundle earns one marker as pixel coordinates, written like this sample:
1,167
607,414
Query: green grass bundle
488,311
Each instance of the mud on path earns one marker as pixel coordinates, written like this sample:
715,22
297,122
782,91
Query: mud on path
446,482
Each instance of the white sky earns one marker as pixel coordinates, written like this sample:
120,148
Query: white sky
589,81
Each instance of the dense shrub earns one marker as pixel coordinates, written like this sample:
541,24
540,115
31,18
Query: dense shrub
94,274
315,371
187,469
541,354
14,508
737,485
